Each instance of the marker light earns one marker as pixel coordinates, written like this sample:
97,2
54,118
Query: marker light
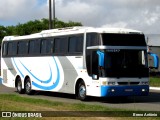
104,83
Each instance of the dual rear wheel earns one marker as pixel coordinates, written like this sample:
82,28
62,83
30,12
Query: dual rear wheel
81,89
19,86
27,86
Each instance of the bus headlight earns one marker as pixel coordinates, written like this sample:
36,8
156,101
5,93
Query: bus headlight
112,90
111,83
144,90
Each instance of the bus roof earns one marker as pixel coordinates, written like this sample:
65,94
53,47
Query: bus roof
72,30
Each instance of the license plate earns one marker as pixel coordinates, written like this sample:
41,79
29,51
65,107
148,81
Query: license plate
128,90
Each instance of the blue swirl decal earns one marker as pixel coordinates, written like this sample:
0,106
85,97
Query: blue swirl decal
52,86
18,68
43,81
46,81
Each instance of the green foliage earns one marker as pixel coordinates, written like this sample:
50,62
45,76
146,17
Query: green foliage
155,81
33,27
2,32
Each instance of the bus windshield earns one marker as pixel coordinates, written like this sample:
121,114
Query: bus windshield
126,63
113,39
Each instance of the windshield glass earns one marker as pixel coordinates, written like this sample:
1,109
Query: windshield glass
126,63
113,39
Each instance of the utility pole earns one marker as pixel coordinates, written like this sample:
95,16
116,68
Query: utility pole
51,21
54,13
50,15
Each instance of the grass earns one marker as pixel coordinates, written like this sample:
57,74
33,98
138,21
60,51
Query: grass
14,102
6,101
155,81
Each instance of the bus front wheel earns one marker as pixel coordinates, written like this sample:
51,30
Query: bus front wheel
82,91
28,88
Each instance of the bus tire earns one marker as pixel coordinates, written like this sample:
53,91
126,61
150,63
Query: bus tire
28,88
82,91
19,86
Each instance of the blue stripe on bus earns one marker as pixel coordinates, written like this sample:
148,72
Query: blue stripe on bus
18,68
47,81
52,86
124,90
43,81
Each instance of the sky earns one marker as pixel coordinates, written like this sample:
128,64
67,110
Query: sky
143,15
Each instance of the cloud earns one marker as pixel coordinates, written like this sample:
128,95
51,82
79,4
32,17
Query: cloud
20,11
142,15
117,24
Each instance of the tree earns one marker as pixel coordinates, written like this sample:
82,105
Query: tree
33,27
61,24
2,32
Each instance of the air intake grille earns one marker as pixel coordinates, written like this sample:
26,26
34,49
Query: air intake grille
128,83
4,76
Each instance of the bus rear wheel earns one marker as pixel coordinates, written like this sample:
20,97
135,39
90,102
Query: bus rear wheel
82,91
28,88
19,86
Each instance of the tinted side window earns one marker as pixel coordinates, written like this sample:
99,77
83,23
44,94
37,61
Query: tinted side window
34,47
76,44
92,39
61,45
47,46
12,48
5,47
23,47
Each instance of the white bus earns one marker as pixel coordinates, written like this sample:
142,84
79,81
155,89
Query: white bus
84,61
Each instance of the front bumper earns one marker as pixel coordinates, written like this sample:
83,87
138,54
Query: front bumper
139,90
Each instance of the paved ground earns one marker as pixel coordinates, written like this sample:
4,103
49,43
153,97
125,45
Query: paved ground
144,103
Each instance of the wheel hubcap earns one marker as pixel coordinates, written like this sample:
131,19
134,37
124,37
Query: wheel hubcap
82,91
19,86
28,87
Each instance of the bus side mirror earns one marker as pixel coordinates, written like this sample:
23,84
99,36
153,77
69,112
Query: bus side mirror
156,61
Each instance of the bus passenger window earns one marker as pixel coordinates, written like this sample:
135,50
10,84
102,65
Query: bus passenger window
34,47
23,48
76,44
12,48
61,45
47,46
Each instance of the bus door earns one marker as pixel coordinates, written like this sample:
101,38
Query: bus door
95,64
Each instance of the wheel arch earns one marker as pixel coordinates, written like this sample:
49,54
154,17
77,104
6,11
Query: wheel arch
79,80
